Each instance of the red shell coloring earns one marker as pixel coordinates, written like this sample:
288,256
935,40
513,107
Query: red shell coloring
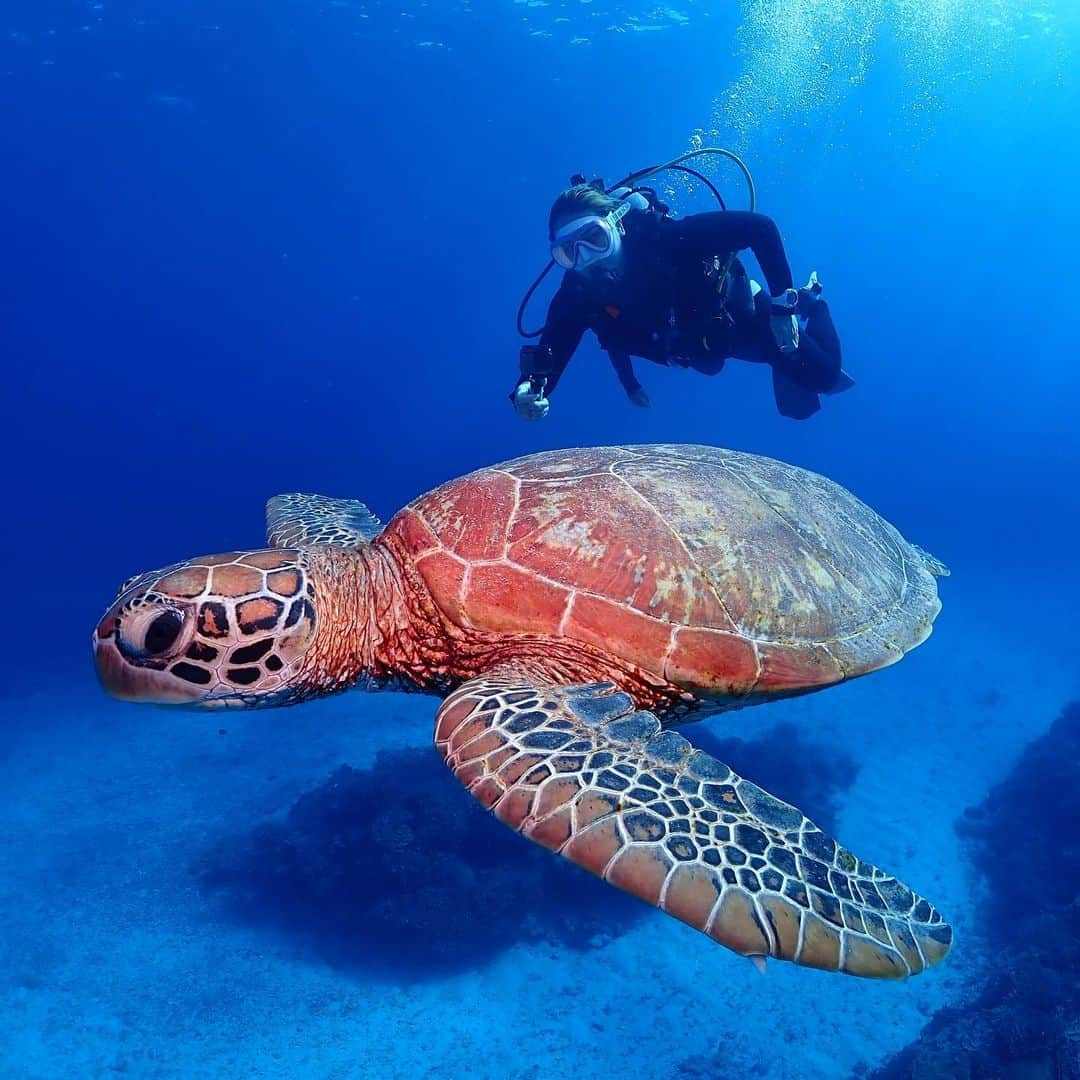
724,573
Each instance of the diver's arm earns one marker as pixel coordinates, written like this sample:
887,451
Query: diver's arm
624,372
563,331
722,231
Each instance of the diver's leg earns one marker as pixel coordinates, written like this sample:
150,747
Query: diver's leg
819,324
816,362
707,365
795,394
709,354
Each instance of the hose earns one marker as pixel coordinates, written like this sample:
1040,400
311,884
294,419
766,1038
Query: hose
675,165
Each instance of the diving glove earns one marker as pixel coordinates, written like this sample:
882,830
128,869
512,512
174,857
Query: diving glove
783,321
529,400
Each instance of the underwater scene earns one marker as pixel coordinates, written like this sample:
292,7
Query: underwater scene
462,459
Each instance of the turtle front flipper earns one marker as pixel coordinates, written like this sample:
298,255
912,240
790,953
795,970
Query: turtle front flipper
298,520
580,771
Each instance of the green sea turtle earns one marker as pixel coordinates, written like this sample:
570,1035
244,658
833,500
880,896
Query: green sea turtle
569,606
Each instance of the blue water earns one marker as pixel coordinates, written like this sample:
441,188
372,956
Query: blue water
279,246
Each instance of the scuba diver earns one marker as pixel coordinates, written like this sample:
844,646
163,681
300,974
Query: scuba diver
674,292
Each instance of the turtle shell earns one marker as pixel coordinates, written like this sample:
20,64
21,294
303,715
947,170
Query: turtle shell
724,573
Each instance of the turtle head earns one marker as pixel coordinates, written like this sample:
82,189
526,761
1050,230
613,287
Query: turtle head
227,629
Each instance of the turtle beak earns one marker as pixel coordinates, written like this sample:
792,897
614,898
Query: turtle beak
129,682
112,671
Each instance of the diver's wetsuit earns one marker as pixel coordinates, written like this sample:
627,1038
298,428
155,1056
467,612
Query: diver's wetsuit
663,306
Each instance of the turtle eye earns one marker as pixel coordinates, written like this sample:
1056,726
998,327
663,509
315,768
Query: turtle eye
152,632
162,632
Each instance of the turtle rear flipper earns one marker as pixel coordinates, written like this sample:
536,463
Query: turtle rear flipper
578,770
298,520
932,563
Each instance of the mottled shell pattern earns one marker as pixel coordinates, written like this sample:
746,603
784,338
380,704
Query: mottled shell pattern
731,575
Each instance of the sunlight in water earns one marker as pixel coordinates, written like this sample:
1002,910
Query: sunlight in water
803,57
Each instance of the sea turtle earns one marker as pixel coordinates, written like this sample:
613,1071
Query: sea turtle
569,606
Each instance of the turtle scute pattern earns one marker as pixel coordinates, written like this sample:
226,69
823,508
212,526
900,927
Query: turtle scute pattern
737,576
579,771
242,618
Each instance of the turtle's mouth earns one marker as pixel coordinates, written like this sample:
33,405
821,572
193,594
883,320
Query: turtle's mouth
130,682
223,630
137,641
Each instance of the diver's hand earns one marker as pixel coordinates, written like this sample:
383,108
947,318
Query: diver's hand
530,401
784,324
640,398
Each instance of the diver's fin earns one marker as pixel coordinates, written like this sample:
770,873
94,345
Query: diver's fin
843,382
297,520
793,400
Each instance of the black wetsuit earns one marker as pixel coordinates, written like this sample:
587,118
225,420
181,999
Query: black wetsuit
663,305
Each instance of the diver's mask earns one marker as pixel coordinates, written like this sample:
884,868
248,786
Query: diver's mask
588,240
